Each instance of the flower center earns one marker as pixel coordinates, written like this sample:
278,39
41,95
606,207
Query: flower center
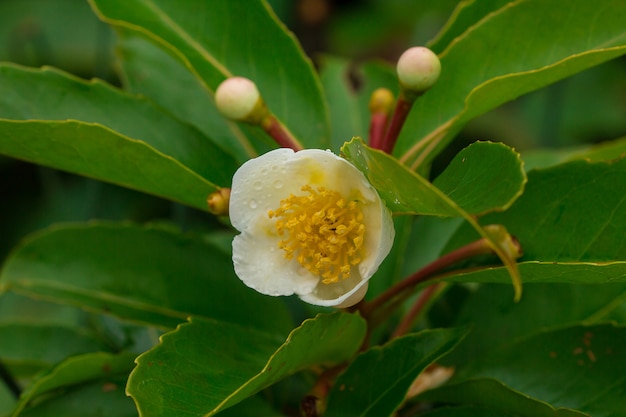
324,233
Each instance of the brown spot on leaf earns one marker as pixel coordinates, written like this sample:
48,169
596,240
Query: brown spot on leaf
591,356
108,387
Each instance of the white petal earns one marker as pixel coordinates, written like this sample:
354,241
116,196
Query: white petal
262,265
258,187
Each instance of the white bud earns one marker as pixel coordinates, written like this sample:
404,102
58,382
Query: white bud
418,69
238,98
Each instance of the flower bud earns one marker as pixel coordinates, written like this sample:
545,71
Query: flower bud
418,69
219,201
238,98
381,101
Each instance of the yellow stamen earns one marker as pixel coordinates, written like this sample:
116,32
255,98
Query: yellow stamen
324,233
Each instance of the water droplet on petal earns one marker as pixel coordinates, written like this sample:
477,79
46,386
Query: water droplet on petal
252,204
278,184
257,185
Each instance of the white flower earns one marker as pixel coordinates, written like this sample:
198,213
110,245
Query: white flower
311,224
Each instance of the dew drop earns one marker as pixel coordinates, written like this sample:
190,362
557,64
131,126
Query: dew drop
252,204
278,184
257,185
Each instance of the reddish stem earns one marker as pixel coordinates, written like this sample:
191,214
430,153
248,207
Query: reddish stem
478,247
418,307
378,123
400,113
279,133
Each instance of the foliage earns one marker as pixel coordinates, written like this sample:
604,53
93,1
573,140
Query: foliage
108,292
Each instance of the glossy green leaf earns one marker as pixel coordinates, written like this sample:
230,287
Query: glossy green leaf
487,397
29,348
76,370
145,274
95,399
348,104
495,321
570,223
545,158
376,383
206,366
579,367
524,53
483,177
251,407
51,118
148,69
405,192
218,39
466,14
7,400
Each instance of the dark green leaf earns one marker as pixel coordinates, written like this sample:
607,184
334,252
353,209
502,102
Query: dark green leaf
29,348
487,397
218,39
376,383
95,399
466,14
405,191
496,321
206,366
570,223
144,274
149,69
77,370
524,53
544,158
581,367
483,177
51,118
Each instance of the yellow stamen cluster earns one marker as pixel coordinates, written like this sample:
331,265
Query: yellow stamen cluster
324,232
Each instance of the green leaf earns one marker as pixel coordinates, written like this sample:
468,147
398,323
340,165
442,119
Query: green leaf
545,158
483,177
407,192
349,107
487,397
89,128
206,366
257,47
495,321
29,348
524,54
93,399
145,274
149,69
580,367
77,370
466,14
376,383
570,223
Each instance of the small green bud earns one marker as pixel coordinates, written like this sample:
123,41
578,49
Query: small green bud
237,98
418,69
219,201
381,101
